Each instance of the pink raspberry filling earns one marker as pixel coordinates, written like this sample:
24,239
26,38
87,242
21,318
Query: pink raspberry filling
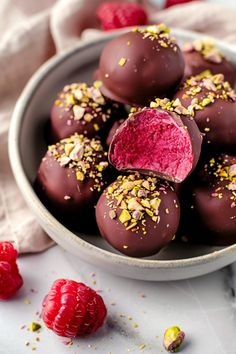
153,142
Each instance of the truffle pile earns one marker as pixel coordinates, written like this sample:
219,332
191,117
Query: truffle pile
174,149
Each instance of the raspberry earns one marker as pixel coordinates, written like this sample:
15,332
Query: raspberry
73,309
10,279
7,252
170,3
114,15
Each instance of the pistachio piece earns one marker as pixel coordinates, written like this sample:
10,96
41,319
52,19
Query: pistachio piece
173,338
232,186
77,152
68,148
112,214
134,205
124,216
80,176
35,327
64,160
232,170
78,112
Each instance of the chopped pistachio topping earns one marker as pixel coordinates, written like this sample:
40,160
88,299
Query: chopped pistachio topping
135,198
84,103
206,47
171,106
84,156
204,89
161,33
223,170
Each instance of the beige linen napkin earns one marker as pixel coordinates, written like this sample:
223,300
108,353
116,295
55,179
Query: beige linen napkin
33,31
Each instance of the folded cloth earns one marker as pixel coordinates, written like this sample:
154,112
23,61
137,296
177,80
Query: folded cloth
33,31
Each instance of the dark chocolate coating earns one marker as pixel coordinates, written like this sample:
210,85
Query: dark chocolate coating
150,70
195,63
70,199
216,121
63,122
208,207
140,142
113,130
137,244
195,136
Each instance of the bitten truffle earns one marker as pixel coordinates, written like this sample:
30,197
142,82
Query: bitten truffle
140,65
202,55
155,141
138,215
83,109
209,203
212,102
71,177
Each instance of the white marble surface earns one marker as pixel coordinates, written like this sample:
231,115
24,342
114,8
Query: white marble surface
204,308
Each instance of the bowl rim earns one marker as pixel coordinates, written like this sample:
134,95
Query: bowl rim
37,207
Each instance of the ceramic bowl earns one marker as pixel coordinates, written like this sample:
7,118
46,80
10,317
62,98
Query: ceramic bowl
27,146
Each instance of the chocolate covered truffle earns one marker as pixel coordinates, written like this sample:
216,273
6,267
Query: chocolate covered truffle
71,177
140,65
83,109
209,203
156,141
138,215
212,102
202,55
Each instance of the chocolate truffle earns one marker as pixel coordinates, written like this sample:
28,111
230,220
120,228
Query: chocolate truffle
138,215
140,65
209,203
155,141
72,175
212,103
82,109
202,55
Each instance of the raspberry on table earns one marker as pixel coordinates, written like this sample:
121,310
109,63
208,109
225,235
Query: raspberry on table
72,309
170,3
7,252
10,279
114,15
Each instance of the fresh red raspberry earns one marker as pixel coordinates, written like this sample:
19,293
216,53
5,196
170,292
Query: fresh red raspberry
73,309
114,15
170,3
10,279
7,252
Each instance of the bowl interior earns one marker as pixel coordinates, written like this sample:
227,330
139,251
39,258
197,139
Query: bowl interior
79,65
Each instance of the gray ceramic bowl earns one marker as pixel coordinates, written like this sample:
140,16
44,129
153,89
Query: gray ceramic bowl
27,146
